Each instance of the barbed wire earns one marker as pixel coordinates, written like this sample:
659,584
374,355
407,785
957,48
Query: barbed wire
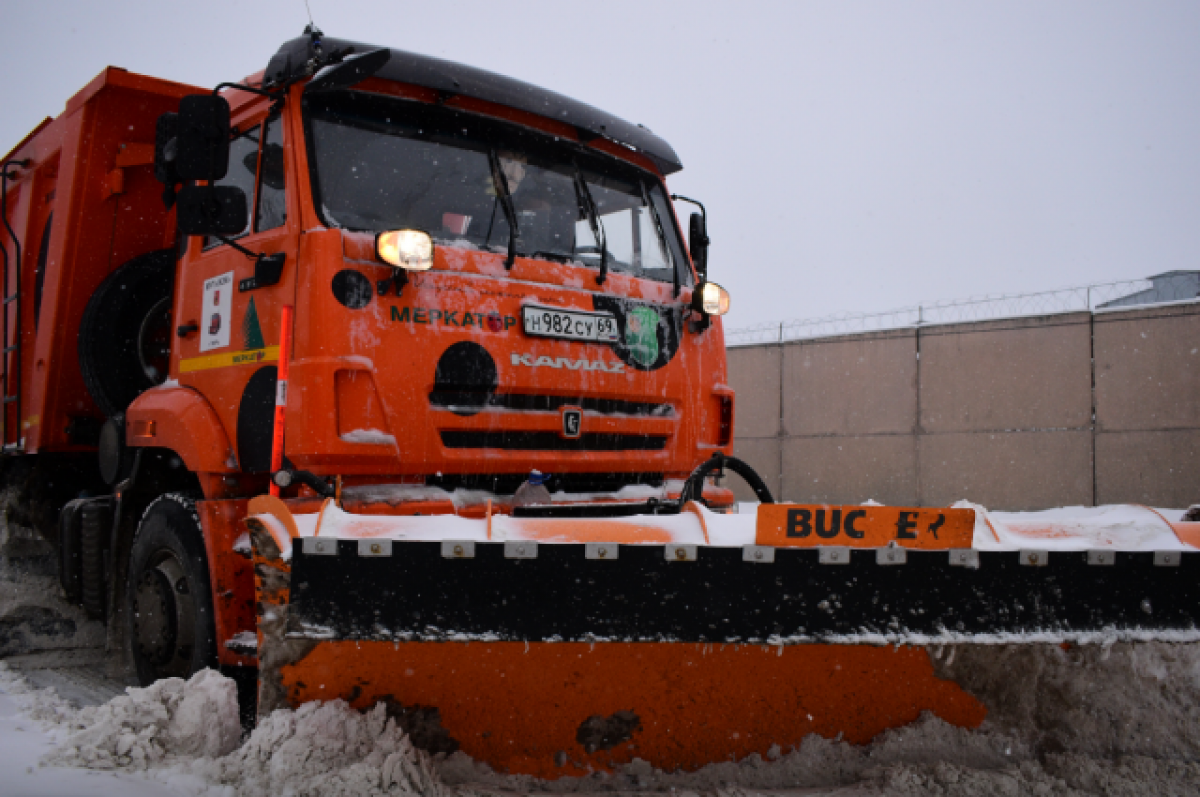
1170,287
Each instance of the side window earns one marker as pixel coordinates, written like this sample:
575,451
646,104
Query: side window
243,165
272,210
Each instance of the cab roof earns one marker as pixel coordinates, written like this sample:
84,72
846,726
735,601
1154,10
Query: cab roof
451,78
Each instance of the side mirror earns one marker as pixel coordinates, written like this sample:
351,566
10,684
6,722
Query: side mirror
202,142
212,210
353,69
698,244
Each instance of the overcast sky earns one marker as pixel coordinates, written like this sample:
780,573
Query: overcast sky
853,156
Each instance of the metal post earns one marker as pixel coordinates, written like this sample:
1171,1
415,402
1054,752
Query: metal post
285,350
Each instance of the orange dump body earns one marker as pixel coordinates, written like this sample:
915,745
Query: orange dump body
81,200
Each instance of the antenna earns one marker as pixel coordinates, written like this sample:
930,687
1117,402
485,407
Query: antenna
309,10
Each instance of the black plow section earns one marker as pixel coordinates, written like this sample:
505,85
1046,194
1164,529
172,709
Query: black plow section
561,595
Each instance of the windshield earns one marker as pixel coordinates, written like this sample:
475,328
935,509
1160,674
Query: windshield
384,164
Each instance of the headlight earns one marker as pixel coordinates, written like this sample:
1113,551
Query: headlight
411,250
711,299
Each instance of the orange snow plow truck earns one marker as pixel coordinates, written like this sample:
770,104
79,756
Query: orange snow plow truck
384,378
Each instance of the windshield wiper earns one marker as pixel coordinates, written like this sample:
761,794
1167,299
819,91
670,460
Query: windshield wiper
662,239
587,204
510,212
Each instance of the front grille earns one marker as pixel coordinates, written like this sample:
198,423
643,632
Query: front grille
552,441
507,483
528,402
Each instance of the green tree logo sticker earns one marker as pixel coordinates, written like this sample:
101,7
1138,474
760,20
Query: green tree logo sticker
251,330
641,335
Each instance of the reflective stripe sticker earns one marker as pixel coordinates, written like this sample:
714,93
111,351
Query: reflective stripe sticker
268,354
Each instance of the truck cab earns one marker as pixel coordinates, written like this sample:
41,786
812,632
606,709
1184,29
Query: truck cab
547,323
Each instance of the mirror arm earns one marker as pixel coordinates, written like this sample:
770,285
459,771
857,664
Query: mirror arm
275,95
703,212
701,268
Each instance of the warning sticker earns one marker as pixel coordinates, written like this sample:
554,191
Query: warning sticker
218,300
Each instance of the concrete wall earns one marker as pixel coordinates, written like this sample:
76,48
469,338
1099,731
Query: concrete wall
1011,414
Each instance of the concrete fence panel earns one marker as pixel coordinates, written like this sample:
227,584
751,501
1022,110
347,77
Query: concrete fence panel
1148,369
1027,373
846,469
1159,469
852,385
1007,470
755,375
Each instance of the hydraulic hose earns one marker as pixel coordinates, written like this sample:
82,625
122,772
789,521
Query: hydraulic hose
693,488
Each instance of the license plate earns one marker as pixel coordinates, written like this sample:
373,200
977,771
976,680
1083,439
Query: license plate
547,322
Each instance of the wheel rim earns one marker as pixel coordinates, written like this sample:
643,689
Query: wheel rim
154,342
164,620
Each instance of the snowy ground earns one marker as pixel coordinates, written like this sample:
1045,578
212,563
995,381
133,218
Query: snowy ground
179,738
1122,719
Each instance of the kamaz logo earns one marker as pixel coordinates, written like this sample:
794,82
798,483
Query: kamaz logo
529,361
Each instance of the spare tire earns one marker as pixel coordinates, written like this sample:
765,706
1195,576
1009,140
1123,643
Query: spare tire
125,334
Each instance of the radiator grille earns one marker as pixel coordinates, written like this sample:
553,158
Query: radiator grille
552,441
527,402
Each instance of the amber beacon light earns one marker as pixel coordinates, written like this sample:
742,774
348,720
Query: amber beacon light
411,250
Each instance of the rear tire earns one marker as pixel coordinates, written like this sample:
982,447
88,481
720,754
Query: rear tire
125,333
95,527
168,600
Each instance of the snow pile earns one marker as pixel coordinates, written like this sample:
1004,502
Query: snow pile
186,733
1097,700
323,749
144,727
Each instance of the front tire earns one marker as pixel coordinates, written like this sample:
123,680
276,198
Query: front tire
168,600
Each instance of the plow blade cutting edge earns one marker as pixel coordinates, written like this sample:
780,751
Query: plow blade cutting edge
550,646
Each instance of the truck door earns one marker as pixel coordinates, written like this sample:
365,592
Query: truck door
231,347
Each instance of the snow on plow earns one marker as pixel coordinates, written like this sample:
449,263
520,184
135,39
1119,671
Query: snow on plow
553,645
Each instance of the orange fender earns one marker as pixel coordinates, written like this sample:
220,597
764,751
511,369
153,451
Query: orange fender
182,420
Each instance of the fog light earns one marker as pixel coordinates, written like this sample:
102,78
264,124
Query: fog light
711,299
411,250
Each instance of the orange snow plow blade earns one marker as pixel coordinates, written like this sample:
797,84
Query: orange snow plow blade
552,646
552,709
